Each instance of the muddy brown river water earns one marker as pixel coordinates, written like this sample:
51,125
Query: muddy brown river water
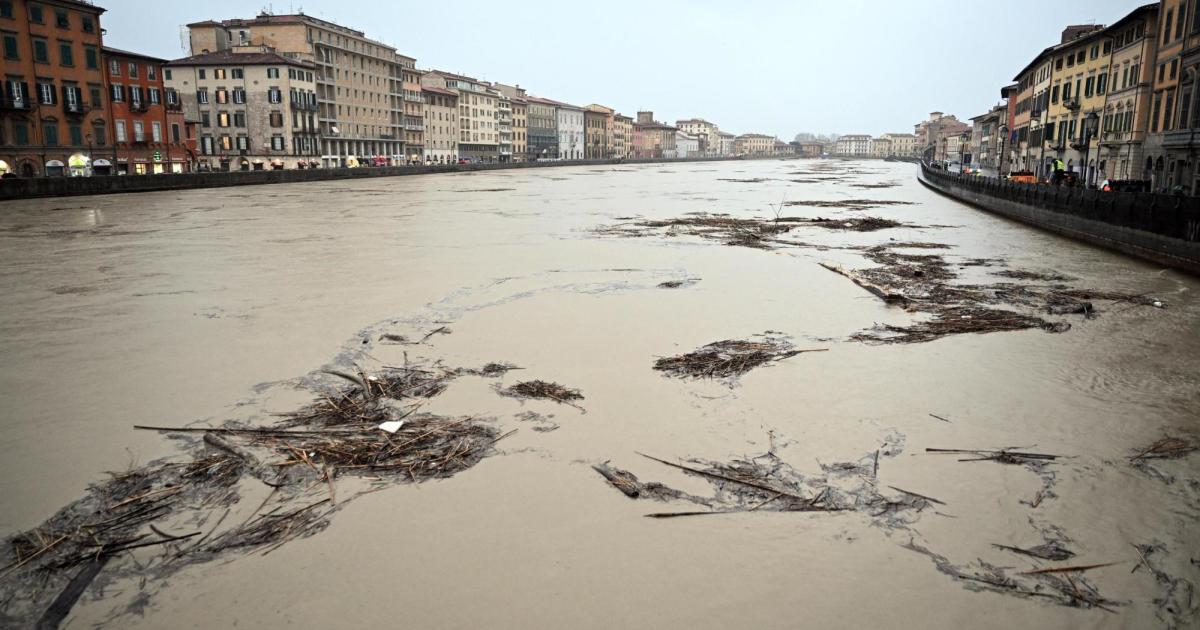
204,306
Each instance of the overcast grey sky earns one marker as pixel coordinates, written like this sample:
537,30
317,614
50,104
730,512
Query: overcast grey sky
776,67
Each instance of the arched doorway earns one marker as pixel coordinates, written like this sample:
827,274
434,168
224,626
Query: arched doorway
26,169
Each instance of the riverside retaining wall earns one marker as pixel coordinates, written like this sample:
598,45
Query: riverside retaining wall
24,188
1161,228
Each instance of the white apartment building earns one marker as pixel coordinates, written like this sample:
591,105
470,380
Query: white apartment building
708,134
855,145
570,132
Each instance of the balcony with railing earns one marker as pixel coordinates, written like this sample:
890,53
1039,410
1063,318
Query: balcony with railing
20,104
76,108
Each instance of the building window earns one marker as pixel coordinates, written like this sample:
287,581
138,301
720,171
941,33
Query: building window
133,69
151,73
66,56
239,119
6,9
226,143
95,92
1184,108
20,133
243,143
275,95
61,20
46,95
76,134
35,14
41,52
10,46
50,129
205,121
218,73
99,138
239,96
167,74
114,67
237,73
156,131
206,145
222,119
139,131
276,119
202,97
174,132
1169,112
91,58
276,143
155,97
89,26
272,73
222,96
118,92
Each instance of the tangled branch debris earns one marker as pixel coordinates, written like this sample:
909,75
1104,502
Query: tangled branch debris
1065,586
957,321
744,232
1013,456
851,204
889,184
1053,551
729,358
1022,274
766,483
923,283
544,390
631,487
342,432
1166,448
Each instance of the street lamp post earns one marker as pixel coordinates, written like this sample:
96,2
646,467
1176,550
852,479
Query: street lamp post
1000,157
1089,128
963,139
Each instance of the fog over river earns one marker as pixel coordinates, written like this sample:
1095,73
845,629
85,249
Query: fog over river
208,306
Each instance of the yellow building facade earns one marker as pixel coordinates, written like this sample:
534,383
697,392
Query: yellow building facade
1079,86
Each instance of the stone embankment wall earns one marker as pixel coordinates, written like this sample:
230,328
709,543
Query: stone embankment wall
23,188
1161,228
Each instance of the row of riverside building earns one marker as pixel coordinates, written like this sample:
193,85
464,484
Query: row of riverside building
287,91
1116,102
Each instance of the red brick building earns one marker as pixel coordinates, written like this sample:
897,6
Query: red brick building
53,109
149,133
